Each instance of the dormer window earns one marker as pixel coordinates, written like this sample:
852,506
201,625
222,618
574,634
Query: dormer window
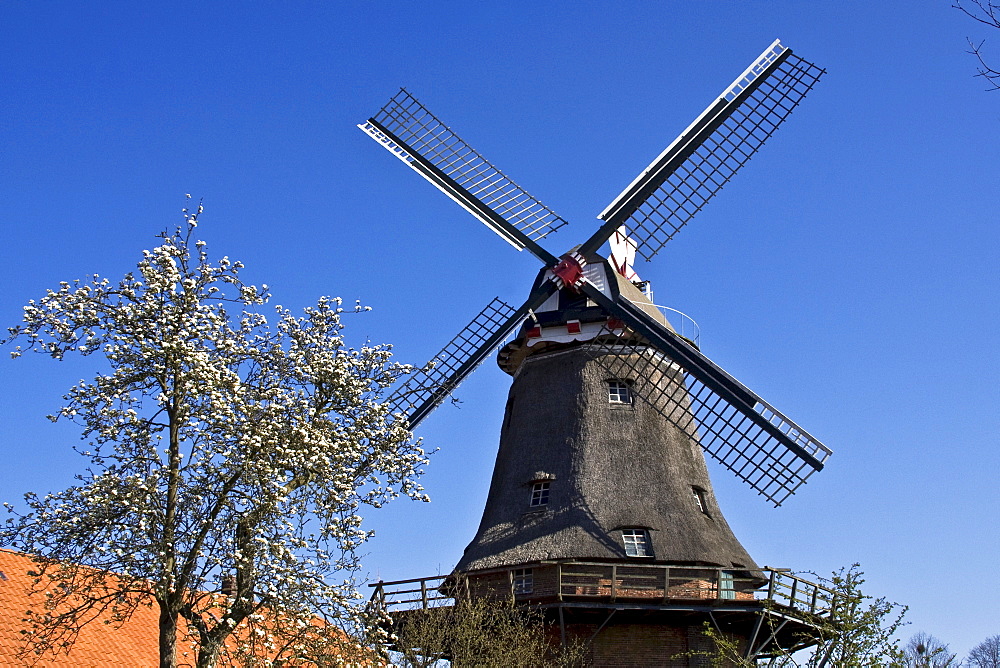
637,543
619,393
540,494
699,499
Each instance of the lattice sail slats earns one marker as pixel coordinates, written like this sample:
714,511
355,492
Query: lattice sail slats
686,188
724,430
413,124
427,388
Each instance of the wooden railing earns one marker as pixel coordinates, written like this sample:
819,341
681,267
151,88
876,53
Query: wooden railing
403,594
637,583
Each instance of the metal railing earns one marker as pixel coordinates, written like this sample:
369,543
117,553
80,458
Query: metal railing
654,584
683,324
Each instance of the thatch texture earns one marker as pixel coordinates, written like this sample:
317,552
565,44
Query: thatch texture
609,466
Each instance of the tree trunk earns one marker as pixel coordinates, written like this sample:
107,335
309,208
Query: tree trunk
208,653
168,638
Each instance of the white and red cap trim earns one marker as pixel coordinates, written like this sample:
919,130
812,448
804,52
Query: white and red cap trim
569,271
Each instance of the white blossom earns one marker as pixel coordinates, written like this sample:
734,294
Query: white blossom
219,445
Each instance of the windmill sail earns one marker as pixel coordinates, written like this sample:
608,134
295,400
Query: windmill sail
689,172
746,434
413,134
427,388
734,425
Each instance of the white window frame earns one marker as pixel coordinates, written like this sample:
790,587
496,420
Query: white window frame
699,499
522,581
619,392
637,543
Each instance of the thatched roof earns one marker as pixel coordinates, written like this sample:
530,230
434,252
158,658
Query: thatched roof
609,466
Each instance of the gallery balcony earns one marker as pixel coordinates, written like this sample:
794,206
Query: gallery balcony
771,607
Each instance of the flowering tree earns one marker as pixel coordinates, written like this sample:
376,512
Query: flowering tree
229,459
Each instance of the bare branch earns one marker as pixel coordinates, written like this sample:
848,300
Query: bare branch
991,75
986,12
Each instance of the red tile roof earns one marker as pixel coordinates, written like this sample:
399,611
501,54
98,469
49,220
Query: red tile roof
132,644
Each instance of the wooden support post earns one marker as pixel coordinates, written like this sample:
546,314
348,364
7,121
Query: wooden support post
559,592
562,627
751,652
771,638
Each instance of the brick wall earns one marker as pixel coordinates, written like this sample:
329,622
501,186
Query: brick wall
642,645
622,642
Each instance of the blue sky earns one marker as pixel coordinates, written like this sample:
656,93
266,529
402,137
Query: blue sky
848,274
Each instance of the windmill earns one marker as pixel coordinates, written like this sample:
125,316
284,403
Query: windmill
600,509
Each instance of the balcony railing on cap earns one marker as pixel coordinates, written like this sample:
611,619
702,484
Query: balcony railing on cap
683,324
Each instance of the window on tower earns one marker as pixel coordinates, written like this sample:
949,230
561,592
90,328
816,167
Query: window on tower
699,499
619,392
637,543
727,585
523,581
540,494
